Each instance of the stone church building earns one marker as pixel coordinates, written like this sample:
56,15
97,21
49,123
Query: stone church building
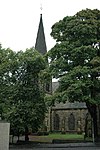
68,117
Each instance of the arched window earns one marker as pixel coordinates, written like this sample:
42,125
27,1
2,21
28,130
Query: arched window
56,122
71,122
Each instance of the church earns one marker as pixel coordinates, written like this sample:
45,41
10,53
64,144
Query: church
68,117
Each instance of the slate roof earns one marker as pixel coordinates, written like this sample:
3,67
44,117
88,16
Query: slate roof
67,105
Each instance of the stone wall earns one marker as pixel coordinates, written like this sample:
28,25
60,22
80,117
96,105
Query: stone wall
68,120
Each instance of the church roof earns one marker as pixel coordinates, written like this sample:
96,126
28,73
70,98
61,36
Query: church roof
67,105
40,44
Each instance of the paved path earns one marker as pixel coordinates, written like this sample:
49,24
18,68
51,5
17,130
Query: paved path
86,148
69,146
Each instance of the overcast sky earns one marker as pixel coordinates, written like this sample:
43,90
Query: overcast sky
19,19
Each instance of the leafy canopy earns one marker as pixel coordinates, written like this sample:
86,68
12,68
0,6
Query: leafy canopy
21,96
75,59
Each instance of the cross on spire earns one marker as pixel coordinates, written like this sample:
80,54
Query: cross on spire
41,8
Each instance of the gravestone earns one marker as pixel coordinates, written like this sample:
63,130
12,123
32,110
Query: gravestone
4,135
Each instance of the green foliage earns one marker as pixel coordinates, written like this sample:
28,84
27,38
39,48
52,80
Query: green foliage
6,63
21,98
75,59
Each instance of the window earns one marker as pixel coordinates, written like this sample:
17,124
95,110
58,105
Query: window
56,122
71,122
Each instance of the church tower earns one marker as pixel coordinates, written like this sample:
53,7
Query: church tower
40,44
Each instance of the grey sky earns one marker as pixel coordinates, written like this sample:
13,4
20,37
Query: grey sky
19,19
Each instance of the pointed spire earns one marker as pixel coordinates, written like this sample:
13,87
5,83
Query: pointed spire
40,44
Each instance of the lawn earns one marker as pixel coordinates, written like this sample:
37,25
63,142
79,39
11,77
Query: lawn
66,136
57,136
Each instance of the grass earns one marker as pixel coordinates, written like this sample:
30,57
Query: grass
57,136
66,136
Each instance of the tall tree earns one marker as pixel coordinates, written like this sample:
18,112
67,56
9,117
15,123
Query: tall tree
21,96
75,59
29,96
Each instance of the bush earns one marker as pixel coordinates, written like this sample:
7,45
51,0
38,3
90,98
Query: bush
40,133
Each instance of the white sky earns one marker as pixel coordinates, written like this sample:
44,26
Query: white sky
19,19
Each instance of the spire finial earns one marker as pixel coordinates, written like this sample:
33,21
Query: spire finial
41,8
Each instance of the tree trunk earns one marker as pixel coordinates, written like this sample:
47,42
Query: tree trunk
93,112
95,126
93,109
26,134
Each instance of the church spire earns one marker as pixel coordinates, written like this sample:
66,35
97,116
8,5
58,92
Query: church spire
40,44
